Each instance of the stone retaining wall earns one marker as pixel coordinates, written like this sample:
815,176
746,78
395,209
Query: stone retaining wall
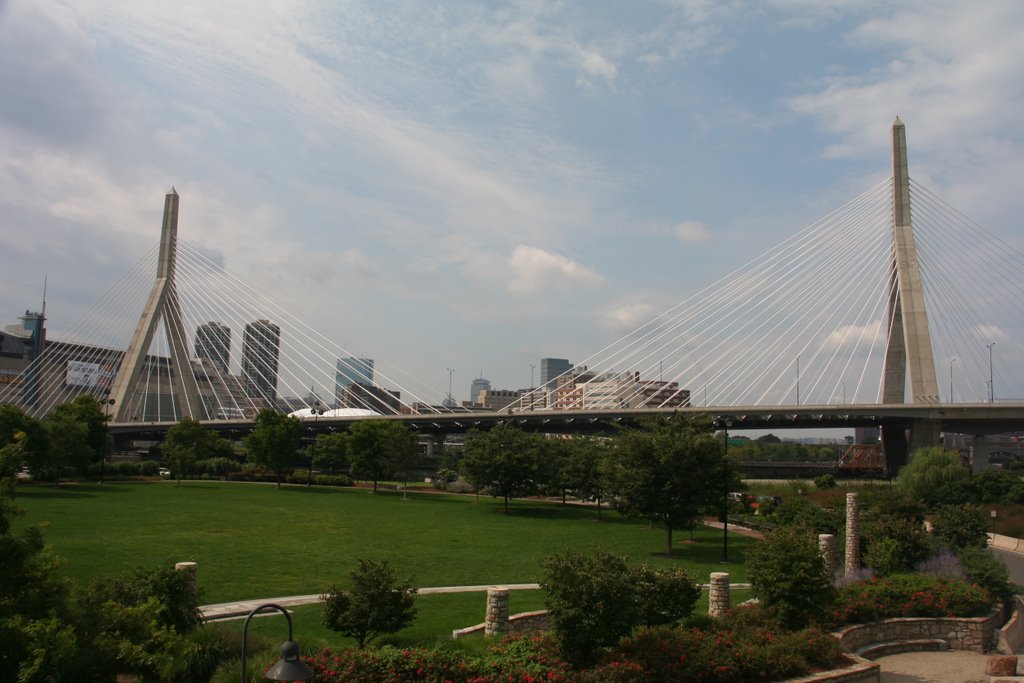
976,634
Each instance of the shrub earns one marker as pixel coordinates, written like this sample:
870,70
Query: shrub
595,600
894,543
989,572
719,654
787,574
909,595
960,526
591,601
377,603
801,512
825,482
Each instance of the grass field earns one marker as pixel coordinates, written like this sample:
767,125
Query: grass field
257,541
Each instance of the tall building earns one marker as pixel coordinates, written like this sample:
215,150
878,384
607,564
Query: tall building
476,386
550,368
213,343
349,371
260,348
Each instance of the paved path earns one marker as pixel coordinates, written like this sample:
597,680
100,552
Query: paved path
236,610
934,667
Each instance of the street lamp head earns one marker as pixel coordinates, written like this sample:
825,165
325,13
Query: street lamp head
289,667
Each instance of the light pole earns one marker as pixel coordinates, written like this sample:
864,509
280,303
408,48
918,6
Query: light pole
951,361
316,411
450,373
289,667
725,494
106,402
991,385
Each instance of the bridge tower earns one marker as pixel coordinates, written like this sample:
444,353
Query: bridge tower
161,306
908,353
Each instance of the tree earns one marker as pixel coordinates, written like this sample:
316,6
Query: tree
504,461
377,448
88,412
586,471
67,444
929,470
960,526
787,574
331,452
187,442
669,471
274,442
594,600
376,603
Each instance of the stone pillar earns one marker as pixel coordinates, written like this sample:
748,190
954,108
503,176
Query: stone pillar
718,601
852,534
193,570
496,621
827,548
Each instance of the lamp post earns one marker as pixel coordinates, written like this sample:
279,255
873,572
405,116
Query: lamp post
991,384
316,411
725,493
450,373
106,402
951,361
289,667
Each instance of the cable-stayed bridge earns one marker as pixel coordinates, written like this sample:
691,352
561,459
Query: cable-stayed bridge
894,310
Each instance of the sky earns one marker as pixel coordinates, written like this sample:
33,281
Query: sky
478,185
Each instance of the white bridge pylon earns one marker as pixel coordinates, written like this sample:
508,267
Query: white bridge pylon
162,306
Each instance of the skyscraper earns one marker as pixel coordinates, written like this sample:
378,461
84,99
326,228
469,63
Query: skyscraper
260,347
550,368
349,371
476,386
213,343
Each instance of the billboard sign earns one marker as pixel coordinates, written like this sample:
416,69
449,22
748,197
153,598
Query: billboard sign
88,375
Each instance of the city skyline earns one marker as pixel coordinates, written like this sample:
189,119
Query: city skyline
473,187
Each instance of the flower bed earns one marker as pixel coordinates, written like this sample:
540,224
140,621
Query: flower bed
910,595
717,654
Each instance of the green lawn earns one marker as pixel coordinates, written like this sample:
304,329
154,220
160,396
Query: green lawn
256,541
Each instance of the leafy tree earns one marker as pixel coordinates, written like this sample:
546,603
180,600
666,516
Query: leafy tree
378,448
67,445
88,412
188,441
798,511
331,451
669,471
960,526
787,573
586,470
594,600
893,543
16,426
1000,487
929,470
376,603
504,461
274,442
825,482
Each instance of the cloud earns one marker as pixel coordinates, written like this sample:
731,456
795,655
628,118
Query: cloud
850,335
535,270
692,232
627,317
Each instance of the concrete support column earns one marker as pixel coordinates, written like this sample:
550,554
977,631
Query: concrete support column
979,454
496,621
827,548
719,601
852,564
